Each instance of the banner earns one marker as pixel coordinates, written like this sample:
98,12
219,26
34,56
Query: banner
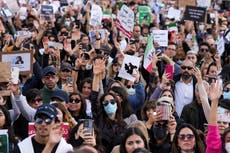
149,53
195,13
125,21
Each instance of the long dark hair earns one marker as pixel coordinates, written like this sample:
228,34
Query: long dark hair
83,103
129,132
226,131
199,146
125,105
119,117
7,124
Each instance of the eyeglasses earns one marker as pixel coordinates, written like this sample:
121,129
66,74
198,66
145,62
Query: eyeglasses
226,89
130,86
39,120
111,101
204,50
186,67
37,100
184,136
75,100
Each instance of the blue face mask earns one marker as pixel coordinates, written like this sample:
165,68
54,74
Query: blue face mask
226,95
110,109
131,91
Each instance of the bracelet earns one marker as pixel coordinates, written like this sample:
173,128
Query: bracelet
98,38
75,70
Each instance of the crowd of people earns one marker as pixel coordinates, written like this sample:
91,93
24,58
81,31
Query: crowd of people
180,105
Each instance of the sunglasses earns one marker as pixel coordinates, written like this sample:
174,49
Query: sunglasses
204,50
75,100
226,89
186,67
130,86
64,34
111,101
184,136
37,100
39,120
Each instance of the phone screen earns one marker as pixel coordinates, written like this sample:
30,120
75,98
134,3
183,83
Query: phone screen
88,125
169,70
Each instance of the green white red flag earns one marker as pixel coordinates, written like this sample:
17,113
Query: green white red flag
149,53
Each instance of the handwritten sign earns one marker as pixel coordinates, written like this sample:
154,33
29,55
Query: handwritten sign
160,37
96,15
125,21
195,13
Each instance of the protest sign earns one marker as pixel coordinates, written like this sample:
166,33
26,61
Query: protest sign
203,3
184,3
4,141
46,11
195,13
96,15
5,74
129,67
220,46
160,37
6,13
174,13
125,21
20,59
149,53
92,36
12,6
144,14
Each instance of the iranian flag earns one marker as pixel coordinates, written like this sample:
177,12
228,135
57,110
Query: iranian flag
149,53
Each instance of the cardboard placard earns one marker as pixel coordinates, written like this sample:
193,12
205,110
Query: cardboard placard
160,37
5,71
96,15
195,13
184,3
21,59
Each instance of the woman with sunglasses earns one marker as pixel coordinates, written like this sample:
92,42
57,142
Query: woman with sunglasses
77,106
187,140
109,121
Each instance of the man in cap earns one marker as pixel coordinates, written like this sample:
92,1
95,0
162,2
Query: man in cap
47,129
49,79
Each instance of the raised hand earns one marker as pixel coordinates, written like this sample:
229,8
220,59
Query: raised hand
215,90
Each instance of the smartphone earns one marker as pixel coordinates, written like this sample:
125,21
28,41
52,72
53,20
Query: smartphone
15,74
69,81
88,125
169,70
165,109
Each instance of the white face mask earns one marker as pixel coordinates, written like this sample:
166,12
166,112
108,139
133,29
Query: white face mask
201,27
131,91
89,66
227,147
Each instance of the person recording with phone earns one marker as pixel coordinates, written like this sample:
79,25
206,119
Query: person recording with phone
85,134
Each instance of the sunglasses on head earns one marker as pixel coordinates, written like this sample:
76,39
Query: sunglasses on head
111,101
130,86
39,120
184,136
75,100
186,67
